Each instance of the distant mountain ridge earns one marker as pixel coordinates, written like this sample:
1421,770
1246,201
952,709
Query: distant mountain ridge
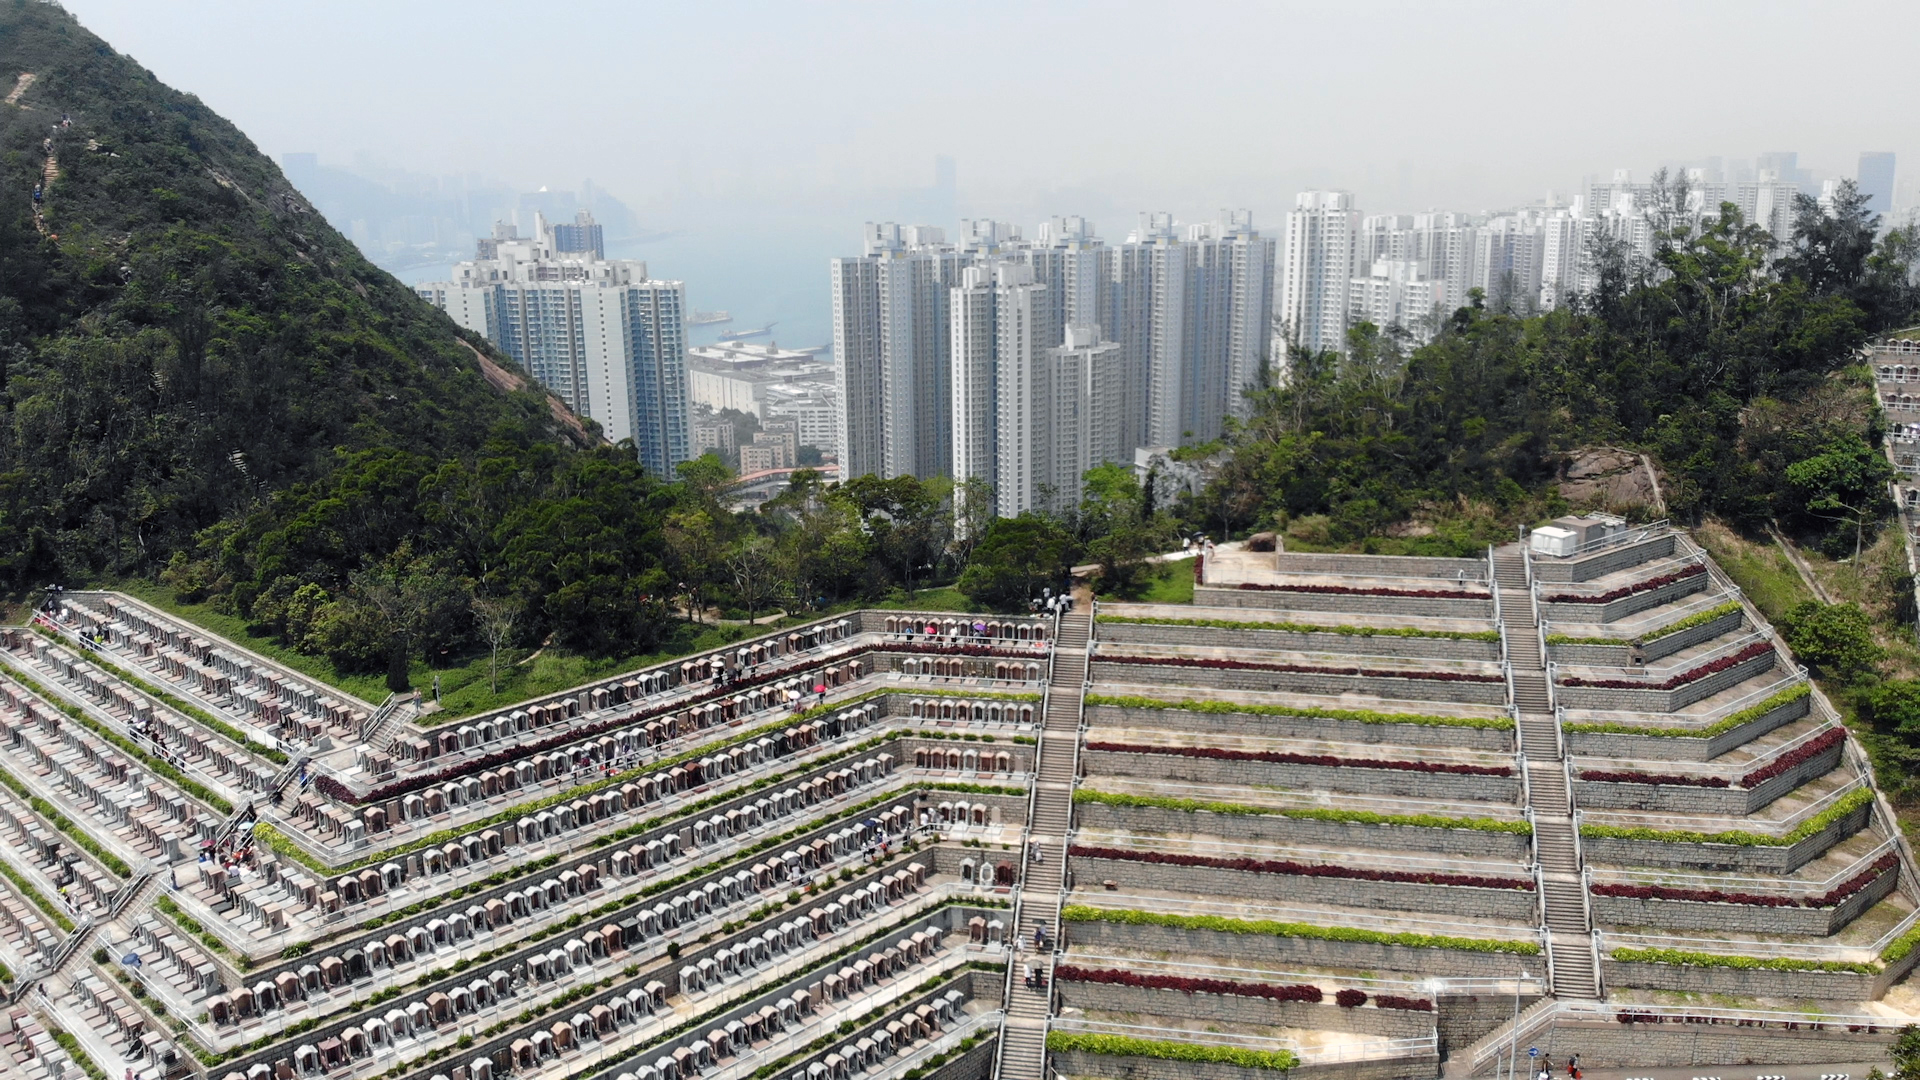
181,335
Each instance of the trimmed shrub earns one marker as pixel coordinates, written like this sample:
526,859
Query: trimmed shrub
1744,963
1798,756
1622,593
1848,803
1306,992
1698,618
1350,999
1060,1042
1721,726
1751,652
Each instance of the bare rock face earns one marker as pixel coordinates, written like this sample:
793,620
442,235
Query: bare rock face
1608,478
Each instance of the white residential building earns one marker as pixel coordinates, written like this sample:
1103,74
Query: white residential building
601,334
1322,242
1395,292
1000,389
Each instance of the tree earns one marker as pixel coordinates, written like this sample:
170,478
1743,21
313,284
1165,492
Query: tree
496,616
1846,481
1018,556
1116,532
1906,1054
752,569
1835,638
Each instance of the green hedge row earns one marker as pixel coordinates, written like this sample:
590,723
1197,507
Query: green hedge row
1123,1046
1719,727
1271,928
1303,813
1698,618
1358,716
1744,963
1853,800
1310,628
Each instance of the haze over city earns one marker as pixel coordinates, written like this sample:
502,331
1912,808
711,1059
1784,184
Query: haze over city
752,140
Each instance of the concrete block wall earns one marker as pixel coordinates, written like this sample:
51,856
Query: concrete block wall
1740,918
1723,858
1362,781
1430,648
1722,802
1298,952
1303,727
1612,610
1273,829
1511,904
1659,648
1253,1011
1657,701
1669,748
1469,693
1361,604
1603,562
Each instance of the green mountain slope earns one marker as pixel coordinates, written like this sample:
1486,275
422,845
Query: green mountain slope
180,334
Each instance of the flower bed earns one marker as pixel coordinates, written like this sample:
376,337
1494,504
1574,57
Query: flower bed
1699,618
1718,727
1395,1001
1304,813
1799,756
1745,963
1271,928
1306,992
1350,999
1659,779
1063,1042
1611,595
1297,869
1348,590
1296,669
1358,716
1714,896
1753,651
1848,803
1274,757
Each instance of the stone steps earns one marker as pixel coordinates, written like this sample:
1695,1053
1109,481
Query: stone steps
1573,973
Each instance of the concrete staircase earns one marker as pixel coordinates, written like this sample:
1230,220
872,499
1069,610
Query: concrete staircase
1023,1048
1563,893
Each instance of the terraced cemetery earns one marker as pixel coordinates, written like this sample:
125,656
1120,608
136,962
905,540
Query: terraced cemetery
1346,815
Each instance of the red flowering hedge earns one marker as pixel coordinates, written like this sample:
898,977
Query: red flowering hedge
1321,870
1298,669
1801,755
1395,1001
1658,779
1753,651
1350,999
1611,595
1302,992
1348,590
1714,896
1275,757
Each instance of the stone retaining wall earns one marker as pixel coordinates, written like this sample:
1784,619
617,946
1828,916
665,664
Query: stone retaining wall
1601,563
1740,918
1430,648
1722,802
1659,701
1274,829
1407,784
1620,656
1740,982
1669,748
1304,727
1474,693
1297,952
1626,605
1727,858
1359,604
1510,904
1311,562
1253,1011
1079,1063
1603,1045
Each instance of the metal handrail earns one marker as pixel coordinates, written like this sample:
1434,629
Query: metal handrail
1798,675
1800,949
1773,828
1732,773
1647,570
1678,610
1666,671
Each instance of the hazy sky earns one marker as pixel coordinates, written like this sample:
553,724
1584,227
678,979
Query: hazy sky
812,117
